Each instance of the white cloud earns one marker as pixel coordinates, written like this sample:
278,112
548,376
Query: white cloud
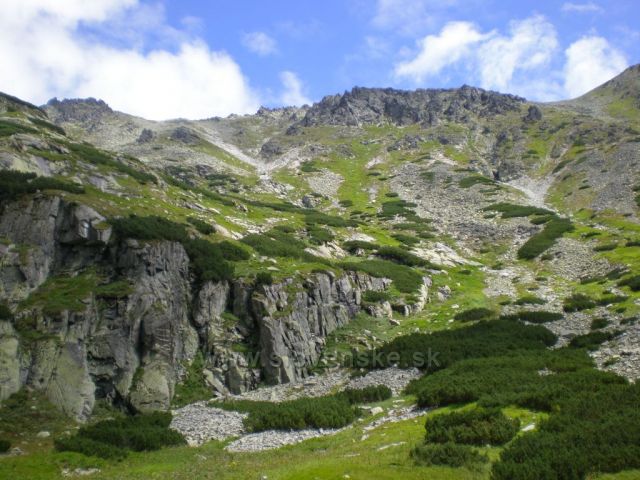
526,61
260,43
408,16
293,90
591,61
44,54
439,51
530,45
587,7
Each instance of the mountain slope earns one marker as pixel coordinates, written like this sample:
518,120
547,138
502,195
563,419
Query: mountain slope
146,265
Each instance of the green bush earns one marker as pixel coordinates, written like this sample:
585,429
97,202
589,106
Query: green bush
5,312
400,255
408,240
319,235
530,300
352,245
441,349
264,278
48,125
509,210
605,248
404,278
89,447
578,302
592,340
5,445
472,180
401,208
203,227
13,184
478,427
373,296
232,251
541,241
599,323
113,439
632,282
346,203
475,314
375,393
596,430
541,219
539,316
8,128
320,412
448,454
208,260
314,217
98,157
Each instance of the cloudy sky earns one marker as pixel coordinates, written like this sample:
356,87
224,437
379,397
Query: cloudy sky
168,58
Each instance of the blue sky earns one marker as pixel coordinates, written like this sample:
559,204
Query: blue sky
166,58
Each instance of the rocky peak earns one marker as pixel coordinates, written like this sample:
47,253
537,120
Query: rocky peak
85,110
401,107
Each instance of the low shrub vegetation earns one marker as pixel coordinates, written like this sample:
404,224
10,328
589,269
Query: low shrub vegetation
578,302
210,261
203,227
475,314
438,350
14,184
114,439
5,445
352,246
404,278
479,426
530,300
98,157
509,210
632,282
537,316
472,180
592,340
543,240
319,412
8,128
599,323
402,256
373,296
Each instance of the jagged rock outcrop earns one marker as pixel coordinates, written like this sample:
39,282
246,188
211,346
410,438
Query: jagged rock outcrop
363,106
132,347
87,110
294,321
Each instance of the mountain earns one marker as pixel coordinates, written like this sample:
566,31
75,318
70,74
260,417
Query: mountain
146,265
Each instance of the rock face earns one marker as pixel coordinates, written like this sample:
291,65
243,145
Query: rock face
133,347
294,322
363,106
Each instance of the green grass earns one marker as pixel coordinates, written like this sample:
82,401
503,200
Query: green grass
58,294
330,457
